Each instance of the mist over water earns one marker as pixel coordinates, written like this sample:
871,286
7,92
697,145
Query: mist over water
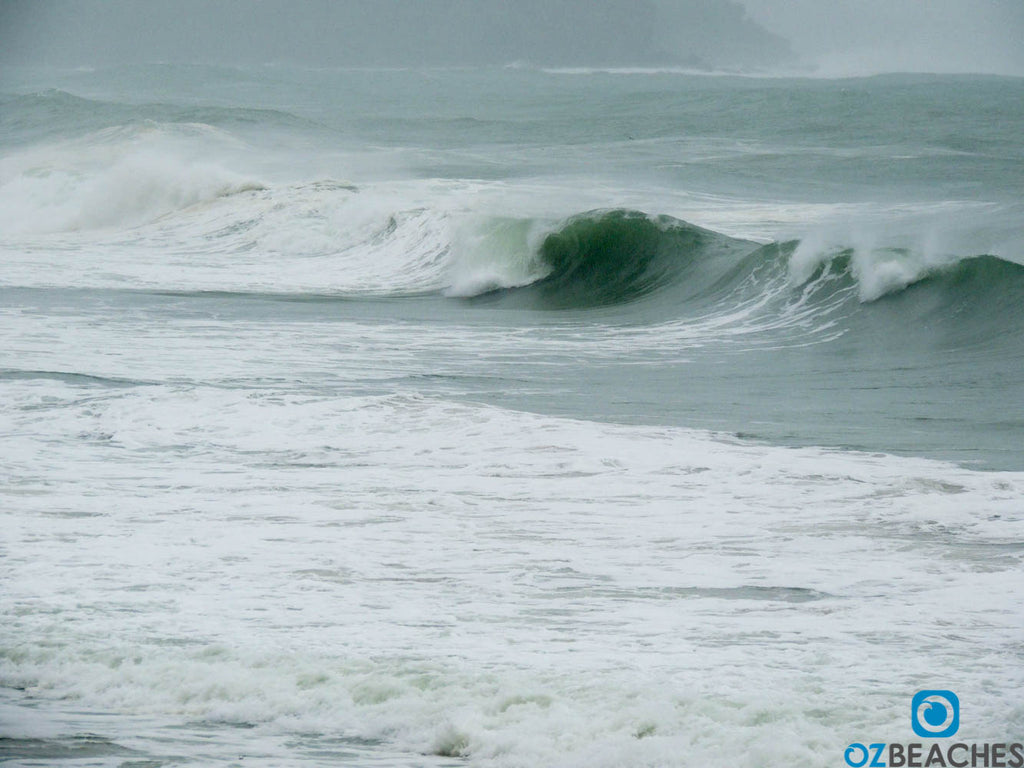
383,394
831,38
391,33
843,38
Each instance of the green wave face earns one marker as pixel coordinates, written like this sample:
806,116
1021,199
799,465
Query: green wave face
614,257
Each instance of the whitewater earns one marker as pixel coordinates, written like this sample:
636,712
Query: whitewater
506,417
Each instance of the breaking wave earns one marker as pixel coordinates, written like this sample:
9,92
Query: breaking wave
161,190
660,267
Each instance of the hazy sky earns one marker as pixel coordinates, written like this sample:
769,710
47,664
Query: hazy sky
836,36
703,33
885,35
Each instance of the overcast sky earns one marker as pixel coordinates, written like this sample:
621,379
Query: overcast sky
835,37
884,35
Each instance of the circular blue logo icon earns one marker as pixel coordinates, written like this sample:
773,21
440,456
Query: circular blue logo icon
935,714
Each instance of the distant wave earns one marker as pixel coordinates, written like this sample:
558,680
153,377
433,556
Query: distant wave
663,70
45,114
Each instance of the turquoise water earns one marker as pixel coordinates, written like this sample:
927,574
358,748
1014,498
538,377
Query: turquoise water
517,416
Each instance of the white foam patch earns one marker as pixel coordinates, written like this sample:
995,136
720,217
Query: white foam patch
467,580
321,237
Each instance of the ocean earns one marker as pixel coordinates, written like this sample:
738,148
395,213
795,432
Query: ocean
506,416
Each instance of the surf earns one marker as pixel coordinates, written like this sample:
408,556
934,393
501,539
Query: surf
663,268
